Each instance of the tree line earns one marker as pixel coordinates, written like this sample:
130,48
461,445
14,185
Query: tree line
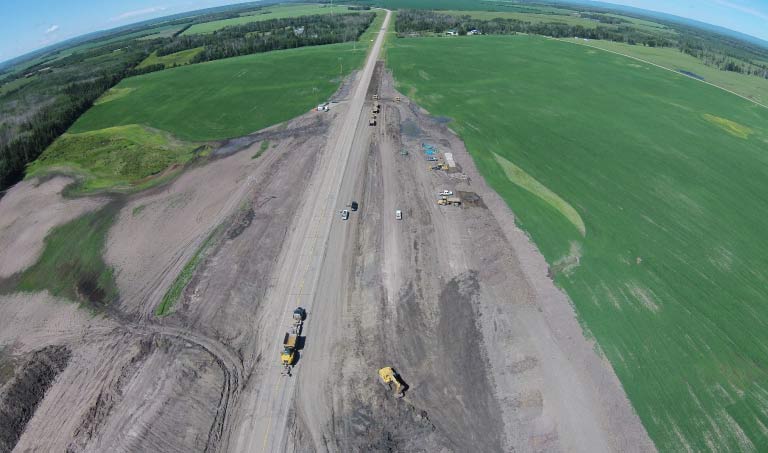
273,34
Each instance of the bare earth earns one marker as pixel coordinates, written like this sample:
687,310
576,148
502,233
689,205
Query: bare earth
457,299
27,212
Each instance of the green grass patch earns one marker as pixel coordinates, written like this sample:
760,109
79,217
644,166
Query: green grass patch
269,12
185,276
672,275
262,147
72,266
112,94
114,158
751,87
171,60
518,176
228,98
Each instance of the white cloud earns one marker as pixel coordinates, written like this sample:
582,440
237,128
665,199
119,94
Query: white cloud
51,29
137,13
743,9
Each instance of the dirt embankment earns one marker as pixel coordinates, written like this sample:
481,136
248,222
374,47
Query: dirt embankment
26,390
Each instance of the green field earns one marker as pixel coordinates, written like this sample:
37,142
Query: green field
752,87
171,60
117,157
669,177
269,12
227,98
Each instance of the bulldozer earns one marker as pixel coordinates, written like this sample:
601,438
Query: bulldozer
390,378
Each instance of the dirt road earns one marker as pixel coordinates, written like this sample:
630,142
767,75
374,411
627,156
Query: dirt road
263,412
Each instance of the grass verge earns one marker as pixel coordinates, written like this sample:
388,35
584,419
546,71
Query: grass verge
185,276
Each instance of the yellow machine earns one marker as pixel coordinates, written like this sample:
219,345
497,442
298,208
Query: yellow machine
389,378
289,352
397,98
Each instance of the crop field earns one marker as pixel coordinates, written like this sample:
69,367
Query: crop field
752,87
227,98
276,12
646,192
170,60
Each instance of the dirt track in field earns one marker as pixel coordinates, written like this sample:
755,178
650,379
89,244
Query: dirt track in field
455,298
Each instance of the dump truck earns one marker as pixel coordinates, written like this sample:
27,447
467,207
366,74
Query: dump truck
289,352
376,108
389,378
372,121
449,201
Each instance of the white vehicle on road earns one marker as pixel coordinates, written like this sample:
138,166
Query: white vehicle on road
344,214
446,193
398,215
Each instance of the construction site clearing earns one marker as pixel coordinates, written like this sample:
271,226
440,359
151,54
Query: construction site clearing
485,350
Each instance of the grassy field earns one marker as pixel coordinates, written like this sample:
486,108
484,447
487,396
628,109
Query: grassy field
269,12
118,157
669,177
171,60
227,98
72,266
752,87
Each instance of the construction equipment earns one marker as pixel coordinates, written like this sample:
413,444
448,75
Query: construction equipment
289,352
372,121
397,98
376,108
298,320
390,378
375,97
449,201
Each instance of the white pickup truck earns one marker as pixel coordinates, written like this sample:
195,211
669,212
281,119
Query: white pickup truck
446,193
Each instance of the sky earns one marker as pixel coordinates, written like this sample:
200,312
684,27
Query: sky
30,25
745,16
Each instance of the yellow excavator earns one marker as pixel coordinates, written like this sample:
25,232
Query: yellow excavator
390,378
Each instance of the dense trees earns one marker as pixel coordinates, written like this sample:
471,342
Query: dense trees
274,34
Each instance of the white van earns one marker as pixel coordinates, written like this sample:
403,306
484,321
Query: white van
398,215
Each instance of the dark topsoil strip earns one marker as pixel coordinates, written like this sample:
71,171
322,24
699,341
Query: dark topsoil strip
27,389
